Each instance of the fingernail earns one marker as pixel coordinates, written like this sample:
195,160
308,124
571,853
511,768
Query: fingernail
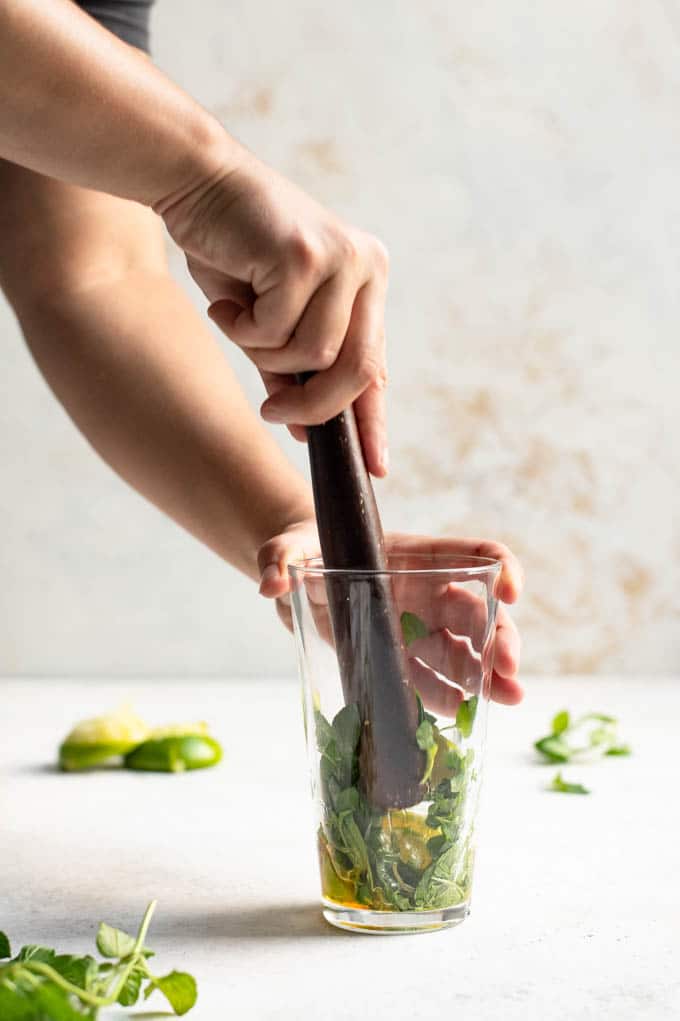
385,460
270,414
271,573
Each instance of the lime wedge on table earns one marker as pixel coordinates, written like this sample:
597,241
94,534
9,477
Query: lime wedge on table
175,749
95,741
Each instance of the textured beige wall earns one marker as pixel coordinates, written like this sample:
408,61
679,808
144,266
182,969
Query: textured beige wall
522,162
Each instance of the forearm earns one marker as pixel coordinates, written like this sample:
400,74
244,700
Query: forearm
81,106
152,392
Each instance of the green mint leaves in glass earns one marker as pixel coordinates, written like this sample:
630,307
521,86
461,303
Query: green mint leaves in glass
397,867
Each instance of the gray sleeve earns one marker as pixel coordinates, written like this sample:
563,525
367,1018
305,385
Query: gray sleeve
128,19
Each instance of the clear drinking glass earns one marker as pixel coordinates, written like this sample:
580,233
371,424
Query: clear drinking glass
396,854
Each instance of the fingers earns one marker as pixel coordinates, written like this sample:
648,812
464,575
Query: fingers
439,697
273,383
269,321
505,686
511,579
505,691
319,334
359,365
448,605
285,614
451,656
369,409
298,542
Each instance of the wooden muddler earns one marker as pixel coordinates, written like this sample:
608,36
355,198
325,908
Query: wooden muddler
368,640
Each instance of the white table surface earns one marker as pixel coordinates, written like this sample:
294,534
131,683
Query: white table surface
576,910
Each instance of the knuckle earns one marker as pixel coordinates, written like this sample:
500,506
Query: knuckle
381,256
368,369
324,357
265,554
349,248
303,251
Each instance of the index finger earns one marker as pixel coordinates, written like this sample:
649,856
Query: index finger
511,578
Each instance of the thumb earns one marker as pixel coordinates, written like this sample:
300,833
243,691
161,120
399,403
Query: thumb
298,542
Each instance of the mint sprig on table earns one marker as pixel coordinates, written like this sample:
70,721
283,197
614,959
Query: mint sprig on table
41,985
562,786
584,739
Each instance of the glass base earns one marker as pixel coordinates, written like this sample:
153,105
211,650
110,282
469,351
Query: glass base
393,923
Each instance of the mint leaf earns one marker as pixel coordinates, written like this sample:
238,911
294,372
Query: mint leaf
465,716
560,722
14,1006
129,994
81,971
179,989
589,737
324,731
34,952
412,627
4,946
425,736
114,942
341,752
554,749
54,1004
347,800
437,888
560,785
347,728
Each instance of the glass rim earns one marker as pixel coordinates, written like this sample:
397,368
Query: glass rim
473,566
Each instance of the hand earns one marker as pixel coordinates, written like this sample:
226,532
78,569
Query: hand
298,290
454,610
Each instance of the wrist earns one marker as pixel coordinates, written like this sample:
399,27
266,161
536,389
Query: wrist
209,154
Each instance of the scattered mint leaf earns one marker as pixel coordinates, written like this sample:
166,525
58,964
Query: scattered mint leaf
412,627
621,749
114,942
465,717
554,748
560,785
179,989
5,950
584,739
560,722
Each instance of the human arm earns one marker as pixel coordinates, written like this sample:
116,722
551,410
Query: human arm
290,283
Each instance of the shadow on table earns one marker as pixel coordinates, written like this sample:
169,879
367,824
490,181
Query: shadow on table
266,922
52,769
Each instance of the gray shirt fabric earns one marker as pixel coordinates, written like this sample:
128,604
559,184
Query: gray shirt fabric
128,19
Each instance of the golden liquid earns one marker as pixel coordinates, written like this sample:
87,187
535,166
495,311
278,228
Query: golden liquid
409,835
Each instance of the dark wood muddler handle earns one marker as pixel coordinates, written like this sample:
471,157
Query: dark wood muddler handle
368,640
